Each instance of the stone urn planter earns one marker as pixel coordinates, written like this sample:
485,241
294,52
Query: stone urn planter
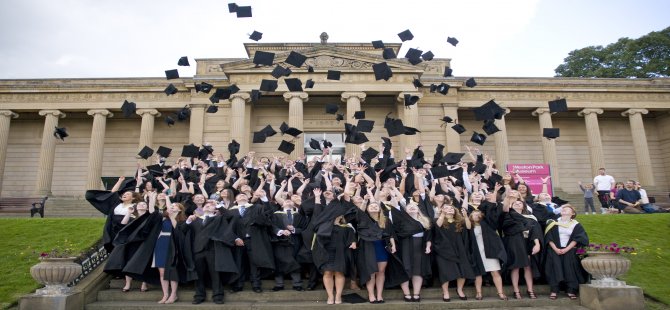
55,274
605,267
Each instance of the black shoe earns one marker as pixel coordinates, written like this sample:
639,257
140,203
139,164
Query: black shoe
274,289
257,290
298,288
311,286
236,289
197,301
380,301
219,301
408,299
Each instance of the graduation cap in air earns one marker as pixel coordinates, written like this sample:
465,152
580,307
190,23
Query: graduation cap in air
327,144
388,53
145,152
406,35
433,88
557,200
255,95
489,111
268,131
378,44
295,132
417,83
243,11
478,138
356,137
60,133
259,137
410,131
296,59
164,151
439,172
359,114
387,143
233,89
169,120
428,56
184,113
172,74
446,120
453,41
439,154
190,150
470,82
560,105
551,133
331,108
448,72
339,117
494,178
232,7
203,87
128,108
365,125
310,69
233,147
283,127
293,84
155,170
170,90
458,128
264,58
183,61
369,154
411,99
453,158
480,168
279,71
309,84
333,75
256,36
269,85
286,147
490,127
414,56
395,127
212,109
382,71
443,88
314,144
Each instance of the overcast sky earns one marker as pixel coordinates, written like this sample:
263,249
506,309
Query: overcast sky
136,38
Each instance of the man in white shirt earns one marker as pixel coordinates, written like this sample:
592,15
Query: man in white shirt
603,184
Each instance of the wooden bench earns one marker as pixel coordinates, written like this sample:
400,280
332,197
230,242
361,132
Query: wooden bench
19,204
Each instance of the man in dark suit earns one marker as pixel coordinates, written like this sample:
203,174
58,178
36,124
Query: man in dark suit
204,253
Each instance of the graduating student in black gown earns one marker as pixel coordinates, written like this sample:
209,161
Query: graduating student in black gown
522,239
287,226
562,237
414,233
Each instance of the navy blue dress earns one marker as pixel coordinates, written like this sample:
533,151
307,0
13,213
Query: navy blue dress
163,245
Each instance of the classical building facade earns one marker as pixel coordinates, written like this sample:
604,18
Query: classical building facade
620,124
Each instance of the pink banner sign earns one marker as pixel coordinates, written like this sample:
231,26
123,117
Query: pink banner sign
532,174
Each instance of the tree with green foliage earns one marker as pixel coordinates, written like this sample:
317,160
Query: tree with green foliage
645,57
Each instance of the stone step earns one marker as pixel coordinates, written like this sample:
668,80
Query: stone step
489,303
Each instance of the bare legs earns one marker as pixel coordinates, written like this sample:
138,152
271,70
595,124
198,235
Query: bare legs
337,284
527,275
377,281
165,286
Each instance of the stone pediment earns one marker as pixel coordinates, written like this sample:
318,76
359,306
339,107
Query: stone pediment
327,58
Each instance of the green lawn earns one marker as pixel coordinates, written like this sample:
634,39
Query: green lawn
650,235
24,238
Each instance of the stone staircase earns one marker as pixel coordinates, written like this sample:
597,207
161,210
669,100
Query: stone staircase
61,207
113,298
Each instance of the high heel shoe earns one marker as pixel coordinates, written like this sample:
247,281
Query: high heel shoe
462,297
478,296
416,298
517,295
531,295
502,296
125,290
446,299
408,298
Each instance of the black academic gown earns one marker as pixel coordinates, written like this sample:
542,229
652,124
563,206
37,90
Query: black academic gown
566,267
366,262
257,224
451,255
493,245
105,202
128,241
405,227
285,248
216,236
518,247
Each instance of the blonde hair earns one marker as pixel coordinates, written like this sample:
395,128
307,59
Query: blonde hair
421,218
381,218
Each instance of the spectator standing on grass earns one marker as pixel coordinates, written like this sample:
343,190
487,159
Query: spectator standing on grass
603,184
588,197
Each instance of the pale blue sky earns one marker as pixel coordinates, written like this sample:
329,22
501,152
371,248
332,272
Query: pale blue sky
126,38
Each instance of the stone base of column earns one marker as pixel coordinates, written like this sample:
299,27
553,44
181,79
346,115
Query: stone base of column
71,301
611,298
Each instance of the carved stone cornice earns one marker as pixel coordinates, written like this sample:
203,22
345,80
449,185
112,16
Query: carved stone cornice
346,95
540,111
631,112
153,112
585,112
103,112
56,113
199,105
300,95
94,97
8,113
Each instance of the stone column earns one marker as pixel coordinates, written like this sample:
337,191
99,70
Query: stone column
295,119
196,123
5,118
96,148
453,143
642,157
593,138
147,128
48,152
353,100
548,145
502,149
239,127
410,118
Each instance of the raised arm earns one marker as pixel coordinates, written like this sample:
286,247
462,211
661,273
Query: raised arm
152,202
117,186
544,184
